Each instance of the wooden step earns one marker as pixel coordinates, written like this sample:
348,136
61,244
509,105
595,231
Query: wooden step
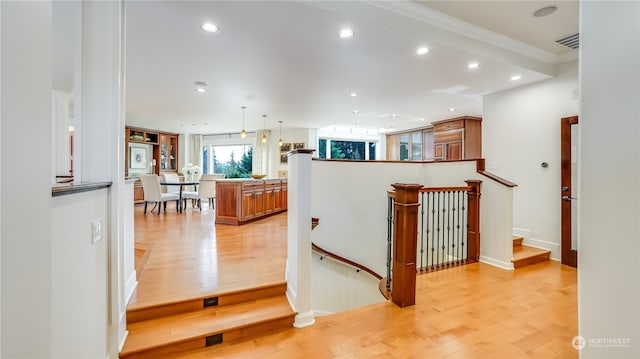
153,338
137,313
517,241
524,255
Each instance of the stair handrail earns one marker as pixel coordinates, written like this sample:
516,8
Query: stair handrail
358,266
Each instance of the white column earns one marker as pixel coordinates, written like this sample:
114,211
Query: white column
609,198
25,181
298,272
102,137
129,242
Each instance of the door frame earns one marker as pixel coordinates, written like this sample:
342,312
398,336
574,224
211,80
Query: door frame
569,255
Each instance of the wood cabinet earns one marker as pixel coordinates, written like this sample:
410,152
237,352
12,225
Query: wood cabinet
159,148
138,193
163,149
413,145
453,139
284,196
458,138
239,201
168,152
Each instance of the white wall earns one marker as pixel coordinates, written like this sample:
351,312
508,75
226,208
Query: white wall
25,192
79,276
609,225
350,199
336,287
296,135
521,129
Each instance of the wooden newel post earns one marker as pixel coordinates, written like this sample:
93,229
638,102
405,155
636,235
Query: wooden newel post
405,237
473,228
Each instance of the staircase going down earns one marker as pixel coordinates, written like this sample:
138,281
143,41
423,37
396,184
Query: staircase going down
524,255
160,330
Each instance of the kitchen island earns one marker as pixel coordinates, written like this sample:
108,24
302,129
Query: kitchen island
242,200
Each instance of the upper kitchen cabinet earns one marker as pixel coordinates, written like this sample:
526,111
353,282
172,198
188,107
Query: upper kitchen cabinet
458,138
453,139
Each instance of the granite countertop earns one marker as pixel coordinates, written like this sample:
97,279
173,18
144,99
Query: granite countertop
61,189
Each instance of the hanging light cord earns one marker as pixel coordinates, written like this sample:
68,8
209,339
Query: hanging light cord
243,133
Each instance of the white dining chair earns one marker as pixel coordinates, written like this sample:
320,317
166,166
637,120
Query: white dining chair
153,193
206,190
171,178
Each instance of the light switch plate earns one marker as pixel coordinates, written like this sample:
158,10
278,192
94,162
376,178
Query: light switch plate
96,231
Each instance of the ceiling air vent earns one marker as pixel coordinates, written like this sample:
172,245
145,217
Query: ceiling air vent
571,41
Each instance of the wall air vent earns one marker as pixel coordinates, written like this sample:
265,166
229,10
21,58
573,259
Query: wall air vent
571,41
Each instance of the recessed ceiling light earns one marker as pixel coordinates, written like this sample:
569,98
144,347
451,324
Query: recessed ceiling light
210,27
353,94
200,86
515,77
473,65
345,33
394,116
358,122
422,50
451,109
422,119
356,112
547,10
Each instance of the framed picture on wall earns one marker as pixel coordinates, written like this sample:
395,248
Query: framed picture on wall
298,145
286,147
138,157
283,158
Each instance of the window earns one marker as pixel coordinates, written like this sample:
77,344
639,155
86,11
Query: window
416,146
404,147
344,149
234,161
322,148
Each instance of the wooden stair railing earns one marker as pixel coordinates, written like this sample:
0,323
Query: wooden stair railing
339,258
359,267
457,205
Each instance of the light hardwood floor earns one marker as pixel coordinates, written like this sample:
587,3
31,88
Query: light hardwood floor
474,311
191,257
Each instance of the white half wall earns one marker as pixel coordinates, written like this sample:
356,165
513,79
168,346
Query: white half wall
350,199
521,129
336,287
609,223
79,276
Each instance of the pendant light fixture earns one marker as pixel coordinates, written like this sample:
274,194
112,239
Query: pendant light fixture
243,133
280,140
264,129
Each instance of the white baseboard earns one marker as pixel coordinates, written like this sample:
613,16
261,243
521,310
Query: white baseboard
304,320
549,246
291,296
321,313
123,340
496,263
524,233
130,286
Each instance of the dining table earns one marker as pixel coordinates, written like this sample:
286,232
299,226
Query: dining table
181,185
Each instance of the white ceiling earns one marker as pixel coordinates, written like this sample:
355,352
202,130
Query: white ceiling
284,59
